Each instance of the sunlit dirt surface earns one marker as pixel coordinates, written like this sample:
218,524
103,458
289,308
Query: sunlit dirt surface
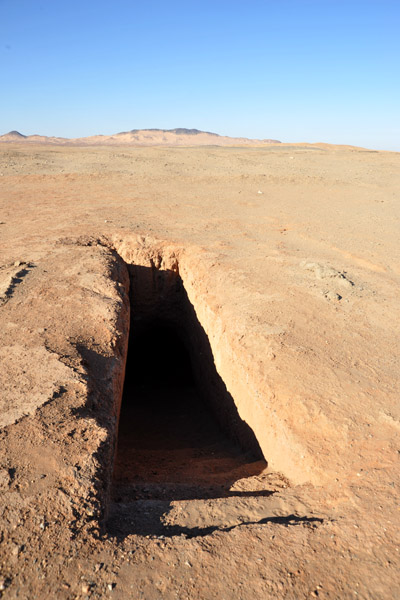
290,257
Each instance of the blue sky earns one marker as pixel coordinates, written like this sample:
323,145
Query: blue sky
294,70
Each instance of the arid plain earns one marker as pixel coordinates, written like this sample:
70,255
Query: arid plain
278,267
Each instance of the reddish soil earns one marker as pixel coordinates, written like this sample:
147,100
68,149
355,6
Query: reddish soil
278,269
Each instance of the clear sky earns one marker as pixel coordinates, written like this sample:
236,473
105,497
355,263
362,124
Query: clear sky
294,70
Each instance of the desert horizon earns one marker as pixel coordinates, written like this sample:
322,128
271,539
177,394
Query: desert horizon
138,136
166,137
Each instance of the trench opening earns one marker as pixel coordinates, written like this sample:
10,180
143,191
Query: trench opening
180,436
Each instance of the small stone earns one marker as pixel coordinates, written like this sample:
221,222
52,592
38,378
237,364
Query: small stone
111,586
4,479
332,296
85,588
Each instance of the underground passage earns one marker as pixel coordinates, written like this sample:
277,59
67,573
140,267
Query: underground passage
180,436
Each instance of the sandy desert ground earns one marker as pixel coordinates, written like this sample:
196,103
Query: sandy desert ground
257,454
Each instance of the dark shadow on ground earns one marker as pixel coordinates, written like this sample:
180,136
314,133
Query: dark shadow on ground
147,518
287,521
16,279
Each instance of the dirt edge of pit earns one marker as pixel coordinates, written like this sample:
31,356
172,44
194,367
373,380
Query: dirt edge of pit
239,369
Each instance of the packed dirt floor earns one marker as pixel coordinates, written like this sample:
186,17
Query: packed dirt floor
249,299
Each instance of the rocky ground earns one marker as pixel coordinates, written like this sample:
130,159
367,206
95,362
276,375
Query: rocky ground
268,468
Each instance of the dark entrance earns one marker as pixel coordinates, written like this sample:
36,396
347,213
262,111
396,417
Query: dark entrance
172,444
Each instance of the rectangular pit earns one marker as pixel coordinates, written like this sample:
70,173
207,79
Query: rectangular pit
180,434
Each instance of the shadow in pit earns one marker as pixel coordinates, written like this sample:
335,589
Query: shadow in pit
180,435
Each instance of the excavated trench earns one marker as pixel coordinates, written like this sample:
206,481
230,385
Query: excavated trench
180,436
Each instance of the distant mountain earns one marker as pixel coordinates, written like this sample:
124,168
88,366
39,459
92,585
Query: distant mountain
142,137
178,131
12,135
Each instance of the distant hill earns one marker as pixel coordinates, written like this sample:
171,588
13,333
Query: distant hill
142,137
178,131
12,135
